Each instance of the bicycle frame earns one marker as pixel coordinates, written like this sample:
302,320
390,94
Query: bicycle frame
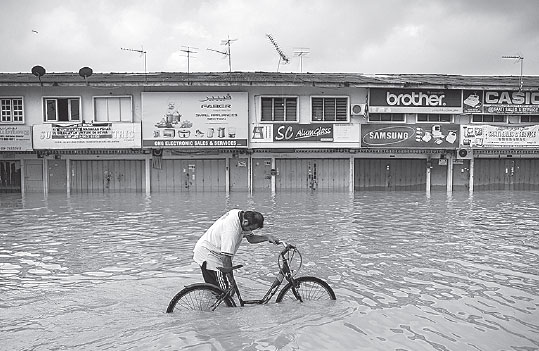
284,273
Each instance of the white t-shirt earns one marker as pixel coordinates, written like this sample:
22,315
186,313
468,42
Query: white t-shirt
222,238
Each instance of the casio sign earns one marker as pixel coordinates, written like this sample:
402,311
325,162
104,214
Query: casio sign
512,98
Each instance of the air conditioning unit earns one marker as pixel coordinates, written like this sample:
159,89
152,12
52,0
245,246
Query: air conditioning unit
358,109
464,154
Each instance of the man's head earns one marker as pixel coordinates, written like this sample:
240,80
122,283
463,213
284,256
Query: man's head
252,220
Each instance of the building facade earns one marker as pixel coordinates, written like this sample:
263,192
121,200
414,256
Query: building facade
266,132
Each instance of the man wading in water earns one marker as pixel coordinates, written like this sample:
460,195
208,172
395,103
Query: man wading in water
221,242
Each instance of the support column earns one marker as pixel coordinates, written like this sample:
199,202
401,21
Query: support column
472,166
273,180
450,174
148,176
227,175
23,176
68,180
351,185
45,175
429,172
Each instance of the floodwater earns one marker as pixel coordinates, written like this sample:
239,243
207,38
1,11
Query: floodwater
410,271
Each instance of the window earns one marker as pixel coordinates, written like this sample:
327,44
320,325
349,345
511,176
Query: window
62,109
424,117
386,117
529,119
279,109
488,118
11,110
113,109
329,109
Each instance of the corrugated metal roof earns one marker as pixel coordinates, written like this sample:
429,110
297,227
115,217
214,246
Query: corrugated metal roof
439,81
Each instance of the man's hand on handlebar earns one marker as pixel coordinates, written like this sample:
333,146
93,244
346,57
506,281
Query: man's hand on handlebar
273,239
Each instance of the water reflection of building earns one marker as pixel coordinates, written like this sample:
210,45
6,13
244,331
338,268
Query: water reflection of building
266,132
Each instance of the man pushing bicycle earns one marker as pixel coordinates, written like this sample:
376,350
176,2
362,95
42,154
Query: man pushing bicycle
221,242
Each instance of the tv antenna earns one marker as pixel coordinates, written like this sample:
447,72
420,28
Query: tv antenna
141,52
282,56
521,59
188,50
226,42
300,52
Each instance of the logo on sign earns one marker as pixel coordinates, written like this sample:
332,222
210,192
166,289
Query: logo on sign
389,136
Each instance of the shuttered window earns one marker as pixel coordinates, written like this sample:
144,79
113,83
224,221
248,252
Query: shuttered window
113,109
279,109
329,109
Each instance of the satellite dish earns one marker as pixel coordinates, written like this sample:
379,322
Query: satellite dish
38,71
85,72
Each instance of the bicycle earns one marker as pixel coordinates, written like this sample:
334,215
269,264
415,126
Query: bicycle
208,297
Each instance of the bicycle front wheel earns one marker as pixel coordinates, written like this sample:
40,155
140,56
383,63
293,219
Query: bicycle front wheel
309,289
199,297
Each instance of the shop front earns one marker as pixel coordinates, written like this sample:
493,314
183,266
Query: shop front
292,156
198,141
87,158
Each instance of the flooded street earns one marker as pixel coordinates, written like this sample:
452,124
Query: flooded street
410,271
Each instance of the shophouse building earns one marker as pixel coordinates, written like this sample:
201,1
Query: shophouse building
266,132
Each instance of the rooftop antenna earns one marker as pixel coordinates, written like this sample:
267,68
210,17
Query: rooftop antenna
141,52
188,50
282,56
226,42
521,59
300,52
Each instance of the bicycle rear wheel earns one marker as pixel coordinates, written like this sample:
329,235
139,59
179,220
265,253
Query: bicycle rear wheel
199,297
309,289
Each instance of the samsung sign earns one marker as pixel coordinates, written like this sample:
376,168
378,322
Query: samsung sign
415,101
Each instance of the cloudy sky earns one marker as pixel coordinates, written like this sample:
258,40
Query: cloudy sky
466,37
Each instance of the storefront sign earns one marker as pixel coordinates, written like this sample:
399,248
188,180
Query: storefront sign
15,138
294,133
511,102
410,135
303,132
501,102
176,120
113,135
415,101
487,136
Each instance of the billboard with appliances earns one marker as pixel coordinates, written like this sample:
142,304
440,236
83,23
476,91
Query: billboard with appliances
185,120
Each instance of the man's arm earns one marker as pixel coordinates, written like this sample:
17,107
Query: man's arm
255,239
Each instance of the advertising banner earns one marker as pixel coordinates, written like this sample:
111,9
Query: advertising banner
511,102
109,135
15,138
472,101
427,135
415,101
208,120
297,133
501,102
488,136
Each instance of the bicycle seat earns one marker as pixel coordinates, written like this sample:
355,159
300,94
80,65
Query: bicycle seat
229,269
